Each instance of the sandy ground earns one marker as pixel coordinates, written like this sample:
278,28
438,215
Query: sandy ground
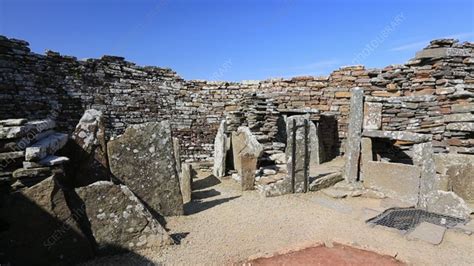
226,226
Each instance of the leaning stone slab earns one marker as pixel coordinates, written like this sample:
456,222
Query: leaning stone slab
142,158
42,225
428,232
325,181
220,151
398,135
395,180
46,146
243,141
352,152
119,220
447,203
88,150
12,122
22,130
372,116
468,127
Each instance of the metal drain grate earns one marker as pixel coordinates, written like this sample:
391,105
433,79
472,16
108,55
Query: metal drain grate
408,218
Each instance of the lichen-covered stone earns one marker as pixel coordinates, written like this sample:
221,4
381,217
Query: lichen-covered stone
142,158
354,135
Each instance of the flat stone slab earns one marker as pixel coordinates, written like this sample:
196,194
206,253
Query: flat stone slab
395,180
53,160
325,181
468,127
442,52
46,146
30,173
335,193
22,130
428,232
7,156
398,135
13,122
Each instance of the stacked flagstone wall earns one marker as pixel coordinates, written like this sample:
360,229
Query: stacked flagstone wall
432,93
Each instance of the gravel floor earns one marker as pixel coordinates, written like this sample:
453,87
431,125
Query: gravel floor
226,226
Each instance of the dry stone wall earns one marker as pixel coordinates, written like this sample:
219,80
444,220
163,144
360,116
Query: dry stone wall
433,93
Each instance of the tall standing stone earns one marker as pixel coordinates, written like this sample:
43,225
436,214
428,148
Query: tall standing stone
298,150
143,159
246,151
352,152
429,181
177,154
220,151
186,182
87,150
366,155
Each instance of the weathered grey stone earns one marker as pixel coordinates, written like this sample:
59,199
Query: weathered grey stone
186,182
88,150
429,181
468,127
395,180
441,52
352,152
220,151
402,99
7,156
33,172
325,181
462,117
248,163
316,151
302,145
177,154
398,135
428,232
12,122
372,115
447,203
443,162
43,226
366,154
22,130
278,158
52,160
244,142
462,108
461,180
119,220
46,146
142,158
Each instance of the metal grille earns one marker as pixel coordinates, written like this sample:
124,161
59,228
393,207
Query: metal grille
408,218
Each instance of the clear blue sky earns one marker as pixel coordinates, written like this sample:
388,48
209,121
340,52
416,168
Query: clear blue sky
236,40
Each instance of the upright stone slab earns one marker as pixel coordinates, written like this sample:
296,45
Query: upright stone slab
87,150
220,151
316,153
244,142
461,177
177,154
186,182
248,163
299,143
372,115
366,155
429,181
143,159
119,220
352,152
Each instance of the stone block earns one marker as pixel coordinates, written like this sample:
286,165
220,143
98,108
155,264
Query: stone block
428,232
447,203
461,180
367,154
46,146
12,122
21,130
395,180
467,127
372,115
429,181
186,180
248,164
398,135
142,158
244,142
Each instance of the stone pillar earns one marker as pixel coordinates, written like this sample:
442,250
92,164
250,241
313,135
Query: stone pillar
248,164
429,182
220,151
186,182
299,150
366,155
352,152
177,154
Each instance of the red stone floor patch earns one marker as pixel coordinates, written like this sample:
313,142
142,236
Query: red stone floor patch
322,255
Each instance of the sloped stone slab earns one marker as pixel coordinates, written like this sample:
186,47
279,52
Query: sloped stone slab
118,218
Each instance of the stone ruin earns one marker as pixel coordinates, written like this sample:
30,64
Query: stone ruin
98,152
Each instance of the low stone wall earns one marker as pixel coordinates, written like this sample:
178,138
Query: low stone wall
433,94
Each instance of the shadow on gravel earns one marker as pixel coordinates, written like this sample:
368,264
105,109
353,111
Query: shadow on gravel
206,182
203,194
196,206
